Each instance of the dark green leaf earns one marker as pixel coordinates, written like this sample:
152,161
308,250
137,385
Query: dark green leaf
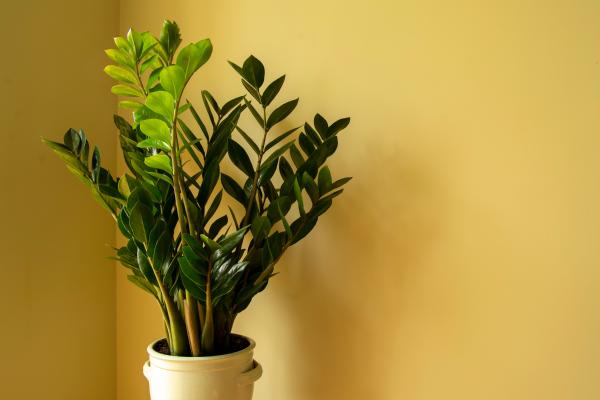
249,140
169,38
337,126
216,226
234,189
324,180
272,90
279,138
266,172
240,158
254,71
296,156
255,113
321,125
281,112
145,267
253,92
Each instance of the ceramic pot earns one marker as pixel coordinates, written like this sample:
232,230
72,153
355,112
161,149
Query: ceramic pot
223,377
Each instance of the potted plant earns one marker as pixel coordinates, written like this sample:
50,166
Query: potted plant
201,261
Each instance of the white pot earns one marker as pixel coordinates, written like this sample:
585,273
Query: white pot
224,377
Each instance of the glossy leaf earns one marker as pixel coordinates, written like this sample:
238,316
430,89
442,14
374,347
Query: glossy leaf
193,56
240,158
159,161
120,74
281,112
162,103
172,79
272,90
156,129
254,71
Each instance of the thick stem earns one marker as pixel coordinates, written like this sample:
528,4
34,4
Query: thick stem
191,323
208,329
179,342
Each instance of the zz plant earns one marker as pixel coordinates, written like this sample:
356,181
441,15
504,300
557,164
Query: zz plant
203,268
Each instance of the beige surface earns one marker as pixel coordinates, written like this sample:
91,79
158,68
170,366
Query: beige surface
463,261
57,302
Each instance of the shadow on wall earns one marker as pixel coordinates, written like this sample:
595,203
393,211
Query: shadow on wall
343,287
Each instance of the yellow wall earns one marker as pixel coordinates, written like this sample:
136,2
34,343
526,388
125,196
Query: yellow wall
463,261
57,301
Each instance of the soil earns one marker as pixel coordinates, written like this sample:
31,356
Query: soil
236,343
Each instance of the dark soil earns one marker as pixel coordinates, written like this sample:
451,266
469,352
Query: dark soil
236,343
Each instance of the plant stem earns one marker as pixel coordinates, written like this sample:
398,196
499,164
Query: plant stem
208,330
191,323
256,173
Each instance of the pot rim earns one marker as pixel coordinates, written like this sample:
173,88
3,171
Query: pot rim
160,356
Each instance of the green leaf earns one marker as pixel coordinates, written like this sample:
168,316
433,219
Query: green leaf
156,129
231,241
169,38
234,189
120,74
125,90
279,138
216,226
140,220
193,56
321,125
145,267
161,102
154,144
240,158
230,105
152,62
214,246
298,194
142,284
253,92
159,161
324,180
266,172
282,203
213,206
123,45
303,228
272,90
285,169
296,156
337,126
254,71
130,105
120,57
255,113
237,68
311,187
281,112
261,226
339,183
210,178
172,79
248,140
95,164
135,41
306,144
277,153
